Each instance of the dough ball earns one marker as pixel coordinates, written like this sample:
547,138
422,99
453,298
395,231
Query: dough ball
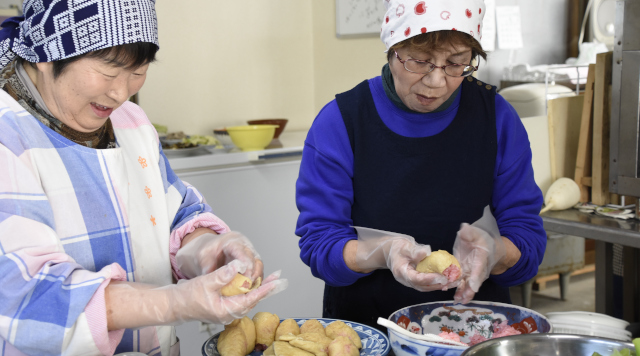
315,337
249,330
312,326
257,283
441,262
286,337
339,328
232,342
310,346
266,325
342,346
312,342
288,326
239,285
282,348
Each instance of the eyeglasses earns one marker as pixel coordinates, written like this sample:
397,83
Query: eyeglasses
424,67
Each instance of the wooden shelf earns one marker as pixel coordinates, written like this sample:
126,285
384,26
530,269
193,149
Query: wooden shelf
541,283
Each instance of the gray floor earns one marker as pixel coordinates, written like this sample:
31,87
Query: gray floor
580,297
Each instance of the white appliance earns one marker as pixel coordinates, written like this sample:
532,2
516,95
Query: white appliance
603,14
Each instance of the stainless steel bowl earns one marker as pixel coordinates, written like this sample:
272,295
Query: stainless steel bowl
547,345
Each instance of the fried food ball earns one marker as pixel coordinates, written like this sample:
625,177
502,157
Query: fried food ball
317,338
441,262
342,346
339,328
266,325
283,348
249,330
239,285
288,326
312,326
232,342
313,342
286,337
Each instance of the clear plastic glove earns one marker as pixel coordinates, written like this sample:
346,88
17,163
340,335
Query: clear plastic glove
478,247
208,252
189,300
400,253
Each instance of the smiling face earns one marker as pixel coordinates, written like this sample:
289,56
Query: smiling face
426,92
87,91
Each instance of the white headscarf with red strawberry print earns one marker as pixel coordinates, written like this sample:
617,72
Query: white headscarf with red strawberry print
407,18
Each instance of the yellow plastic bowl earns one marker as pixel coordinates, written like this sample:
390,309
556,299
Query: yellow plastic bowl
252,137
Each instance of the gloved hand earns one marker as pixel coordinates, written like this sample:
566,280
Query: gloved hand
208,252
134,305
478,247
400,253
200,299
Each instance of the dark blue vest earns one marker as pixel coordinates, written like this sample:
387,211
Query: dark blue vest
423,187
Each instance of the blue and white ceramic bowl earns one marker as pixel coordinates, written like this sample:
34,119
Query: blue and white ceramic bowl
374,342
466,320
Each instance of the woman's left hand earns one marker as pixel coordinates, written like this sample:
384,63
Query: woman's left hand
208,252
478,253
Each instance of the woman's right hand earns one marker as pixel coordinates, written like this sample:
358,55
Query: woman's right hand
133,305
404,256
377,249
200,299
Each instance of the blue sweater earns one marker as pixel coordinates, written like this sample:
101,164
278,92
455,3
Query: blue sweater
324,191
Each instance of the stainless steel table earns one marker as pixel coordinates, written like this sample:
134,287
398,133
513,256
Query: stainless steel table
606,232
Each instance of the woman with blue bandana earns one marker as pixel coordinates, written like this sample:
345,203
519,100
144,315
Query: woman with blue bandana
411,158
95,227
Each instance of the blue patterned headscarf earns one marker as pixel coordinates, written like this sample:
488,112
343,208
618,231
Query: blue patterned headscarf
51,30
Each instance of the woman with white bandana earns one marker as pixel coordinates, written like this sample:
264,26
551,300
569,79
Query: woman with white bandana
419,151
94,225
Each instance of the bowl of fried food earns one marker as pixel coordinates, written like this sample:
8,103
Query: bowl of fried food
269,335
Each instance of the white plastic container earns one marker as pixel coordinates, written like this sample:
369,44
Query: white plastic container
592,324
530,99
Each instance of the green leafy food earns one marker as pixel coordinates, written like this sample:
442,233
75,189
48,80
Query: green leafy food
624,352
202,140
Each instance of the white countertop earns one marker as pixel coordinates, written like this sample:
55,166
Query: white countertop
292,143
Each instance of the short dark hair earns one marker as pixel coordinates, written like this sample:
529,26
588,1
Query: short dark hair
436,40
130,56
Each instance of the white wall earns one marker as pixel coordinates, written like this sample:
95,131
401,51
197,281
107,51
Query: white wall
340,63
223,62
